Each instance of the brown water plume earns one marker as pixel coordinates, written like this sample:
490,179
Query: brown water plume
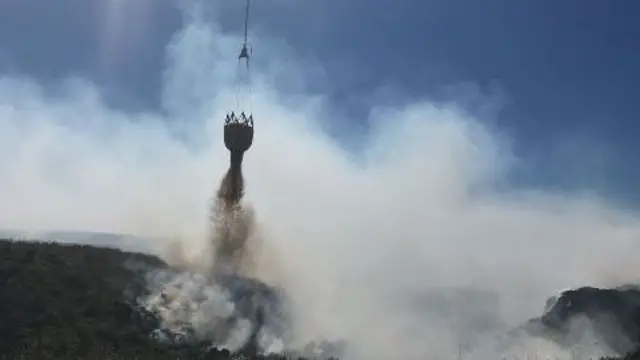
232,226
231,189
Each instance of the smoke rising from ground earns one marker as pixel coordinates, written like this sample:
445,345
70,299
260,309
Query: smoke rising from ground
352,241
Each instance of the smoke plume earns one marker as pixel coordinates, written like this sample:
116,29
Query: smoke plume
218,300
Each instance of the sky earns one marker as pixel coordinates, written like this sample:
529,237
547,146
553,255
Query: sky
561,76
399,144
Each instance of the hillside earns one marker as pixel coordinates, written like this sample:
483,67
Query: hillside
77,302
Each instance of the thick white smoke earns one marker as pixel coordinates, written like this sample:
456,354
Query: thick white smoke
352,241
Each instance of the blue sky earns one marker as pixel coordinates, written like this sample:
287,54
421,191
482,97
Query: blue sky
560,76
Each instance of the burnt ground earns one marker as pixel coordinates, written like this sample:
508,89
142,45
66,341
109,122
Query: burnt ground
78,302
